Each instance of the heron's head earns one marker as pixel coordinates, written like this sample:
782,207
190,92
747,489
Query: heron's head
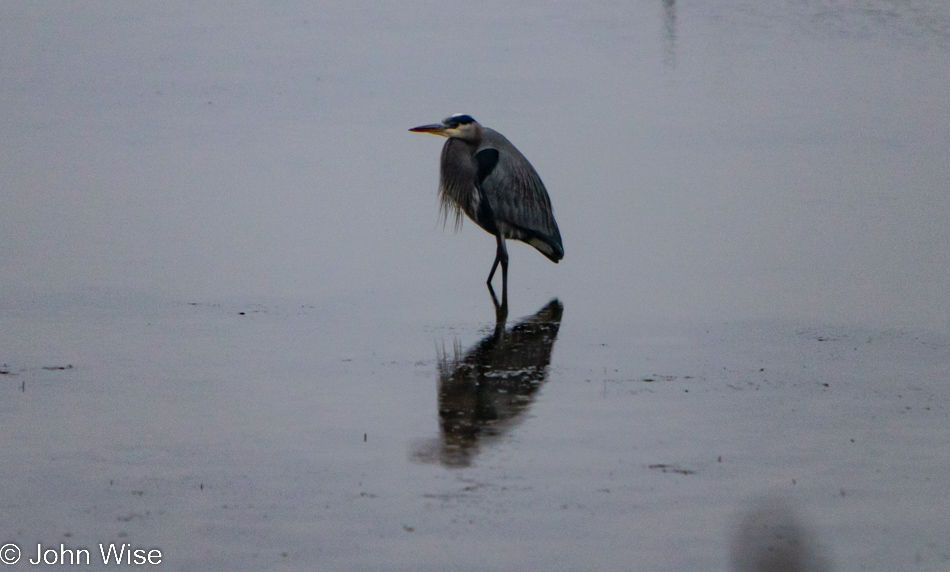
460,126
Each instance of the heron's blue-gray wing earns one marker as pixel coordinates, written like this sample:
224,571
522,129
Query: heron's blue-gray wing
517,197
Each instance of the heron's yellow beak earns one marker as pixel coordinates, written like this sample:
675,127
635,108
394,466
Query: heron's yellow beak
435,129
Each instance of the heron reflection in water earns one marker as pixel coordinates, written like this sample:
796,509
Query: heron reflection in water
484,392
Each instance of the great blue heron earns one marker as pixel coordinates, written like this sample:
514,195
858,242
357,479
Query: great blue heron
483,175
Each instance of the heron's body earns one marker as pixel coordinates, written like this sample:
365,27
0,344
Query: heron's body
484,176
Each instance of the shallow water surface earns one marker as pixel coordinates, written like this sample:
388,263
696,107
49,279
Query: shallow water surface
248,437
232,329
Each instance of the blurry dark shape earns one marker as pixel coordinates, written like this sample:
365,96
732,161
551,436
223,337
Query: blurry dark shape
484,176
669,29
770,538
483,393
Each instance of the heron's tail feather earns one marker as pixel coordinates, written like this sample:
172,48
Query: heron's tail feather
553,250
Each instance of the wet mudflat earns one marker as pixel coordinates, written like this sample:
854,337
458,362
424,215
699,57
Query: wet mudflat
262,436
232,330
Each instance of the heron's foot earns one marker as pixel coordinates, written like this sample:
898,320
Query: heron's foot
501,310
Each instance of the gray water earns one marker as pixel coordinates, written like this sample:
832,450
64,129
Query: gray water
233,330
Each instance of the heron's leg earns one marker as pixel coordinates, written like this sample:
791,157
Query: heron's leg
501,255
504,280
492,273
